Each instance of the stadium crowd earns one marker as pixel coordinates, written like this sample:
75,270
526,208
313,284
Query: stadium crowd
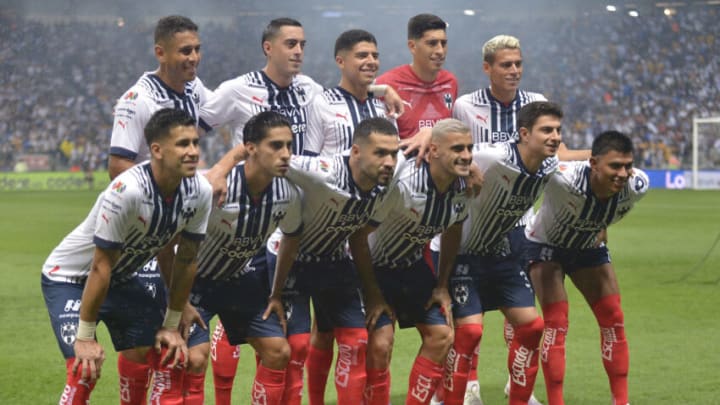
647,76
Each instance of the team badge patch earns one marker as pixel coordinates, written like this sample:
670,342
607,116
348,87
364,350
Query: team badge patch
68,330
448,100
461,293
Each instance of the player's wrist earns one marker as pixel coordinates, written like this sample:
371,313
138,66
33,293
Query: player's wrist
172,319
378,90
86,330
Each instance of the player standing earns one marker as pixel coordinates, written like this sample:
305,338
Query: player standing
490,273
428,89
583,199
92,274
424,200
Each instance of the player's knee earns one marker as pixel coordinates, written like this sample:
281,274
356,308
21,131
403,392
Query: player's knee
198,359
439,340
322,340
379,350
608,310
556,315
276,356
298,344
532,330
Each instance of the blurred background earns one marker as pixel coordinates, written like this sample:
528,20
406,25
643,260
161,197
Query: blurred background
642,67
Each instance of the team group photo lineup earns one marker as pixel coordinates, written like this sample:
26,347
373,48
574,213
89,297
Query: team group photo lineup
332,218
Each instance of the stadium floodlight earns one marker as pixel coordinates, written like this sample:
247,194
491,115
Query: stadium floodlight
669,11
706,153
633,13
469,12
611,8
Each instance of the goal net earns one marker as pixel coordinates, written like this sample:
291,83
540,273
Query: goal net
706,153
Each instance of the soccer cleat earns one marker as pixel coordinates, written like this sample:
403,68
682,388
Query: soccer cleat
434,401
472,394
531,401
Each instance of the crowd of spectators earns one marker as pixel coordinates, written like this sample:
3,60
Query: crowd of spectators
646,76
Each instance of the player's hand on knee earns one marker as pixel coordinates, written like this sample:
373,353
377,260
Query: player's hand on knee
275,305
441,297
89,357
374,308
177,351
190,316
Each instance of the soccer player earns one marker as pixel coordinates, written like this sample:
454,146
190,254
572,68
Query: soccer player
581,200
92,274
174,84
230,282
490,273
424,200
332,119
428,89
341,193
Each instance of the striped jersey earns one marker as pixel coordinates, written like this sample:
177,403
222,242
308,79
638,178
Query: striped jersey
240,228
132,216
489,119
571,215
235,101
426,103
414,212
134,109
333,205
508,191
333,116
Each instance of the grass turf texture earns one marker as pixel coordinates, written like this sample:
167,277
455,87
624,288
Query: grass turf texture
672,326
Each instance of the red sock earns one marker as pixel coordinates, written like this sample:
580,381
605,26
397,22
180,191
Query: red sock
225,358
350,374
615,355
134,381
294,378
424,377
459,360
167,383
268,386
523,360
318,365
473,376
76,391
377,390
194,388
552,354
508,333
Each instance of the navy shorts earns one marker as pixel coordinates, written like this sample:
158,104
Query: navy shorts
334,287
239,302
295,300
130,311
483,283
570,259
407,290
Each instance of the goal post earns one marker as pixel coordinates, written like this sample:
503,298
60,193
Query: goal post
705,152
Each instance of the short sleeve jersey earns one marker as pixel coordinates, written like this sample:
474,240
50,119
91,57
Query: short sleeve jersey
508,191
240,228
414,212
332,118
426,103
333,205
489,119
235,101
571,215
133,217
134,109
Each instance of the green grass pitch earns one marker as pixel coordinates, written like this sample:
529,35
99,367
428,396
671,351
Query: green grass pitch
672,326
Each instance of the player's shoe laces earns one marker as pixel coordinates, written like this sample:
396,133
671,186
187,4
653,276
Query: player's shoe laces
531,401
472,394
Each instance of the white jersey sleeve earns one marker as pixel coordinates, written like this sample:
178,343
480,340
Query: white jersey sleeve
232,103
132,111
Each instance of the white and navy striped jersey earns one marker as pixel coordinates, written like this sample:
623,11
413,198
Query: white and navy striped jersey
571,215
490,120
333,206
134,109
240,228
235,101
132,216
332,118
414,212
507,193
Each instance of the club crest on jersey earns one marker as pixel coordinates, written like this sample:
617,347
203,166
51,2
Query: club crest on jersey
119,187
188,213
278,216
448,100
131,95
196,98
151,288
68,330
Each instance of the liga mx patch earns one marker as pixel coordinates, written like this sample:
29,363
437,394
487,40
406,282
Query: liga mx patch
448,100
